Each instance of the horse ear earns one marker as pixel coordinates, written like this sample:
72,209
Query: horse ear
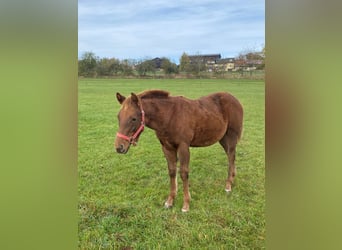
120,97
136,99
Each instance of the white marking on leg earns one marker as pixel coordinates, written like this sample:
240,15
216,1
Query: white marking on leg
176,184
167,205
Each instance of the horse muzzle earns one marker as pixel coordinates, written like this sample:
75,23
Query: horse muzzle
121,149
121,146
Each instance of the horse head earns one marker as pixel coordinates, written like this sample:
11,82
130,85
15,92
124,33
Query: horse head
131,122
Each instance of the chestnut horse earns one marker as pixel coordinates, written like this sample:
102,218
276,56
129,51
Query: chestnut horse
181,123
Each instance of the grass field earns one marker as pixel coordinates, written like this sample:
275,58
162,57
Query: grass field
121,197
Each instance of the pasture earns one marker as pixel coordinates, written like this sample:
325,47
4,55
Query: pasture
121,197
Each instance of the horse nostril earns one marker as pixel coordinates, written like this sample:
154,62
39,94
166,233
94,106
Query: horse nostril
120,149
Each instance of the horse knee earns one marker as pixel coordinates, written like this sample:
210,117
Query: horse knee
172,173
184,175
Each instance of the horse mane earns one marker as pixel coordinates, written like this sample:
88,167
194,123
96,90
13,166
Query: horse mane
154,94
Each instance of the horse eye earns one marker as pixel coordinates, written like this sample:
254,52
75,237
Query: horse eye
134,119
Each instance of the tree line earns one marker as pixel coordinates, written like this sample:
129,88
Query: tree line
90,65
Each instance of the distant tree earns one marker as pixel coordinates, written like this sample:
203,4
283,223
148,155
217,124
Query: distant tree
87,64
146,66
240,61
263,55
256,59
168,66
197,65
108,67
184,63
253,56
250,58
127,67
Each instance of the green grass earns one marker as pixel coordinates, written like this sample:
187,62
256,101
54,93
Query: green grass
121,197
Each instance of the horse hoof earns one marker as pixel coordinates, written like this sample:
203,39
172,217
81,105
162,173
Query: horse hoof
167,205
185,210
228,187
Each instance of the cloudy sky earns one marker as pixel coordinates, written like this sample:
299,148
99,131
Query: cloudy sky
140,29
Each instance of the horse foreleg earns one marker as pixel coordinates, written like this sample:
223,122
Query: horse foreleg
184,158
171,157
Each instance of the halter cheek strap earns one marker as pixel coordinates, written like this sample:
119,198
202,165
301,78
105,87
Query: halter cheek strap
135,137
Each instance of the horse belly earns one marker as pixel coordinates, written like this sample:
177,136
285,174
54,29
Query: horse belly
208,135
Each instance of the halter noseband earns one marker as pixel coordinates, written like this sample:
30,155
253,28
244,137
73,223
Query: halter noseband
135,137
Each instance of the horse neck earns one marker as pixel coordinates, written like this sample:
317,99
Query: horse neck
155,118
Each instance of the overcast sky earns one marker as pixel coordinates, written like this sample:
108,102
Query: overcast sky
140,29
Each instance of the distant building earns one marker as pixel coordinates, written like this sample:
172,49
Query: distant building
214,62
209,60
157,62
225,64
248,64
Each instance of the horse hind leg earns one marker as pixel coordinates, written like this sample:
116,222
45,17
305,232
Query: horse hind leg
228,142
171,157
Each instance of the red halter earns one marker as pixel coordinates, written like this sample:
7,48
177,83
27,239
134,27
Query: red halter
135,137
